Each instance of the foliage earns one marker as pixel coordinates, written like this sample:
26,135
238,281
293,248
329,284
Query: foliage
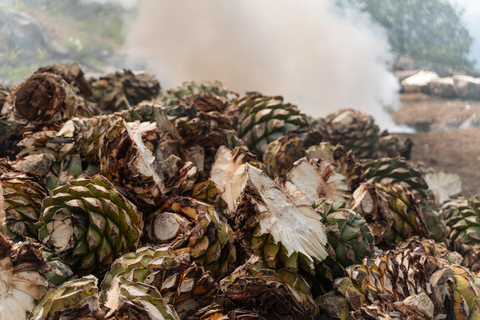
91,32
15,67
430,30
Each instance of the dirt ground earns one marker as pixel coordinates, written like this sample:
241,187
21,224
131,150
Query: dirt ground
453,150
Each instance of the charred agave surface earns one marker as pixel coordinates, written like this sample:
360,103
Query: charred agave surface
122,90
72,74
270,300
45,97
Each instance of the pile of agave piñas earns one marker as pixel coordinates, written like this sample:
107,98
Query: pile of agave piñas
120,201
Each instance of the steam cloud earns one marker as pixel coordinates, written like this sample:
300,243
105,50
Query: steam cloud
308,51
471,17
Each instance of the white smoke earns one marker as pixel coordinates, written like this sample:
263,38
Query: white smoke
471,18
307,50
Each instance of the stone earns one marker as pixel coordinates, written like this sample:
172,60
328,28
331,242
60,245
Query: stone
419,82
442,87
467,87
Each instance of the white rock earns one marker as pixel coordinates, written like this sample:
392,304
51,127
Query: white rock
442,87
418,82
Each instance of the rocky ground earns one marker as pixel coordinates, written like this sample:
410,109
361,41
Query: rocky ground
440,143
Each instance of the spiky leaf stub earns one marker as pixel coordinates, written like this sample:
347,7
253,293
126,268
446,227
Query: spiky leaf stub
463,216
415,307
275,226
208,192
123,89
181,281
347,233
407,279
393,212
193,87
59,272
354,130
408,216
204,122
143,111
318,179
432,248
136,301
40,142
264,119
395,170
22,282
23,194
281,154
435,221
215,111
71,300
88,223
86,135
470,255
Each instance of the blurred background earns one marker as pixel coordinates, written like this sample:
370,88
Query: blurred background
321,55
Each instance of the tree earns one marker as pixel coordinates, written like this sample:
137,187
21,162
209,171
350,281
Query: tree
430,30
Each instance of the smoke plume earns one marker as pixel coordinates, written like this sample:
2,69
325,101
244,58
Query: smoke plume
471,18
309,51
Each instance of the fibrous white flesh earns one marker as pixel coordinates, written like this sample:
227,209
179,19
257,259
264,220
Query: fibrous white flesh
298,228
443,185
113,296
18,291
165,226
143,163
61,234
319,180
68,128
346,118
228,175
169,228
